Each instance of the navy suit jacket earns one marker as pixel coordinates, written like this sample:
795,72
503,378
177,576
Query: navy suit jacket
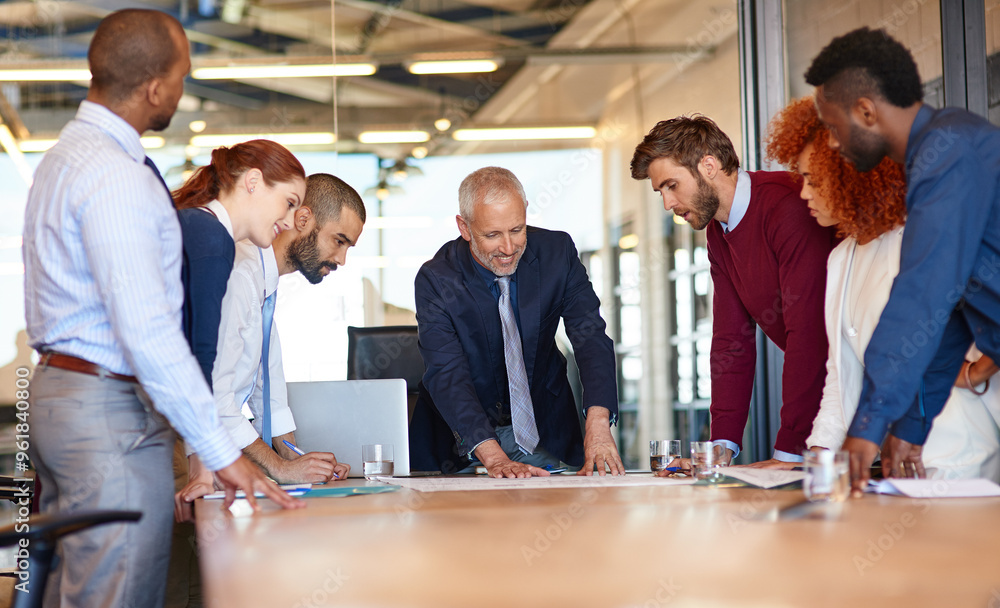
464,393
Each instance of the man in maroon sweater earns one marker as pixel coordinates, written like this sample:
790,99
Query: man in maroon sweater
768,259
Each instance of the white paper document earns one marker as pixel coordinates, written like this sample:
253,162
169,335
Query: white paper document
936,488
297,489
479,482
763,478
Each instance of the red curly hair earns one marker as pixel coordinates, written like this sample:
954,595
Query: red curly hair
865,204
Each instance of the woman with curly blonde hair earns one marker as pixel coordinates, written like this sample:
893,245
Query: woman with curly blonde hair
868,210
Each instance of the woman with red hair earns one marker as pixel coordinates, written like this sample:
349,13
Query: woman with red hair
869,210
249,191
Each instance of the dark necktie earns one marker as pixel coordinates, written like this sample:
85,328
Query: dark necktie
152,165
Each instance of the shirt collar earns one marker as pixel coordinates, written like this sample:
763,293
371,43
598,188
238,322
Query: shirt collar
486,273
741,201
222,215
115,126
924,115
270,271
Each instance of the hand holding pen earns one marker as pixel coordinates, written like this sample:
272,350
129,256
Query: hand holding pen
332,469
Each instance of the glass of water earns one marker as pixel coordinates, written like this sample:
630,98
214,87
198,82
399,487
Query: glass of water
377,459
827,475
662,452
706,460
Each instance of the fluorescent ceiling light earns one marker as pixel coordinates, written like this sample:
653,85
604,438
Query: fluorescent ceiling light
42,145
467,66
45,75
285,139
503,134
393,137
283,71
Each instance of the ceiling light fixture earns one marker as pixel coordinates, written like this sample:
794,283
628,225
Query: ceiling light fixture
393,137
465,66
285,139
151,142
45,75
518,133
197,126
231,72
419,152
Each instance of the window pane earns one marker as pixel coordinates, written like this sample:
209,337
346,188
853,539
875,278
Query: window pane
811,24
993,59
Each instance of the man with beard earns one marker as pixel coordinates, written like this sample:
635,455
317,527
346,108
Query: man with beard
103,296
327,224
495,389
947,292
768,264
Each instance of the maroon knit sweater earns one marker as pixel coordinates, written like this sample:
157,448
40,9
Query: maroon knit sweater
769,271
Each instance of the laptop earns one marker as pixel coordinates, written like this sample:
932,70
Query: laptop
341,416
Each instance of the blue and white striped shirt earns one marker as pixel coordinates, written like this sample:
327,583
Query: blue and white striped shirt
102,263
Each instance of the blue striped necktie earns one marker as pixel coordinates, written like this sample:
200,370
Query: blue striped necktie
522,412
268,313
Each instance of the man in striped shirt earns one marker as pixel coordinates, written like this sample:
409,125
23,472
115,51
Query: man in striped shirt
103,295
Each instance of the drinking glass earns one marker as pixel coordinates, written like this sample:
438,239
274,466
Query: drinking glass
377,459
662,452
706,460
827,475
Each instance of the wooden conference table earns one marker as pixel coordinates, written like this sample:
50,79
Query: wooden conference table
644,546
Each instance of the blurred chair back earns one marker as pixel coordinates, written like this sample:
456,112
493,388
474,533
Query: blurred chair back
376,353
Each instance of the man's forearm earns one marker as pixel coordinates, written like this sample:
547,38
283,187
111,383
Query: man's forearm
265,458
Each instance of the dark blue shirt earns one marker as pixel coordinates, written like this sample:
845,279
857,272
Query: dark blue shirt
208,260
491,282
947,293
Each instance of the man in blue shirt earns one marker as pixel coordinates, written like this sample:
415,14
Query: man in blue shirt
103,296
947,293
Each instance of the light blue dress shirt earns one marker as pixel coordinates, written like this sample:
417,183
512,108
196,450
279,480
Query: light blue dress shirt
102,261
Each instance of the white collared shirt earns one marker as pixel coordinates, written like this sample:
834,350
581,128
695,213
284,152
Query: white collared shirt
222,215
102,265
236,376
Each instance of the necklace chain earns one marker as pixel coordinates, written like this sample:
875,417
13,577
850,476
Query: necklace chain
852,330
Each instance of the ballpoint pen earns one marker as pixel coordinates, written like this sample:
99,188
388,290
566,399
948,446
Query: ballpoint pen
294,448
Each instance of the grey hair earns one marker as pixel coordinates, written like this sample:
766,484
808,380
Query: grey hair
486,186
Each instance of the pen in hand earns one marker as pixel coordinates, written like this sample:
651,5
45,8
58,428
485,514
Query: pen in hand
294,448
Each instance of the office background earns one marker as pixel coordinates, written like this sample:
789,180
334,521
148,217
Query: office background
615,66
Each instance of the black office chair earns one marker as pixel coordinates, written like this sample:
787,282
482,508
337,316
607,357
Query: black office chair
43,534
375,353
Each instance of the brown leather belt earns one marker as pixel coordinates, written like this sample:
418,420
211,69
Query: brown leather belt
76,364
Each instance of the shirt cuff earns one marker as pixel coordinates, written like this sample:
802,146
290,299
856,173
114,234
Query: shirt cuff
728,444
786,456
216,450
911,429
612,416
472,453
244,434
868,426
282,422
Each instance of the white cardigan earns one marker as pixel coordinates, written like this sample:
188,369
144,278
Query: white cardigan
964,439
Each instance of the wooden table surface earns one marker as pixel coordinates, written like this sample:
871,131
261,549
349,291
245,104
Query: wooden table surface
647,546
